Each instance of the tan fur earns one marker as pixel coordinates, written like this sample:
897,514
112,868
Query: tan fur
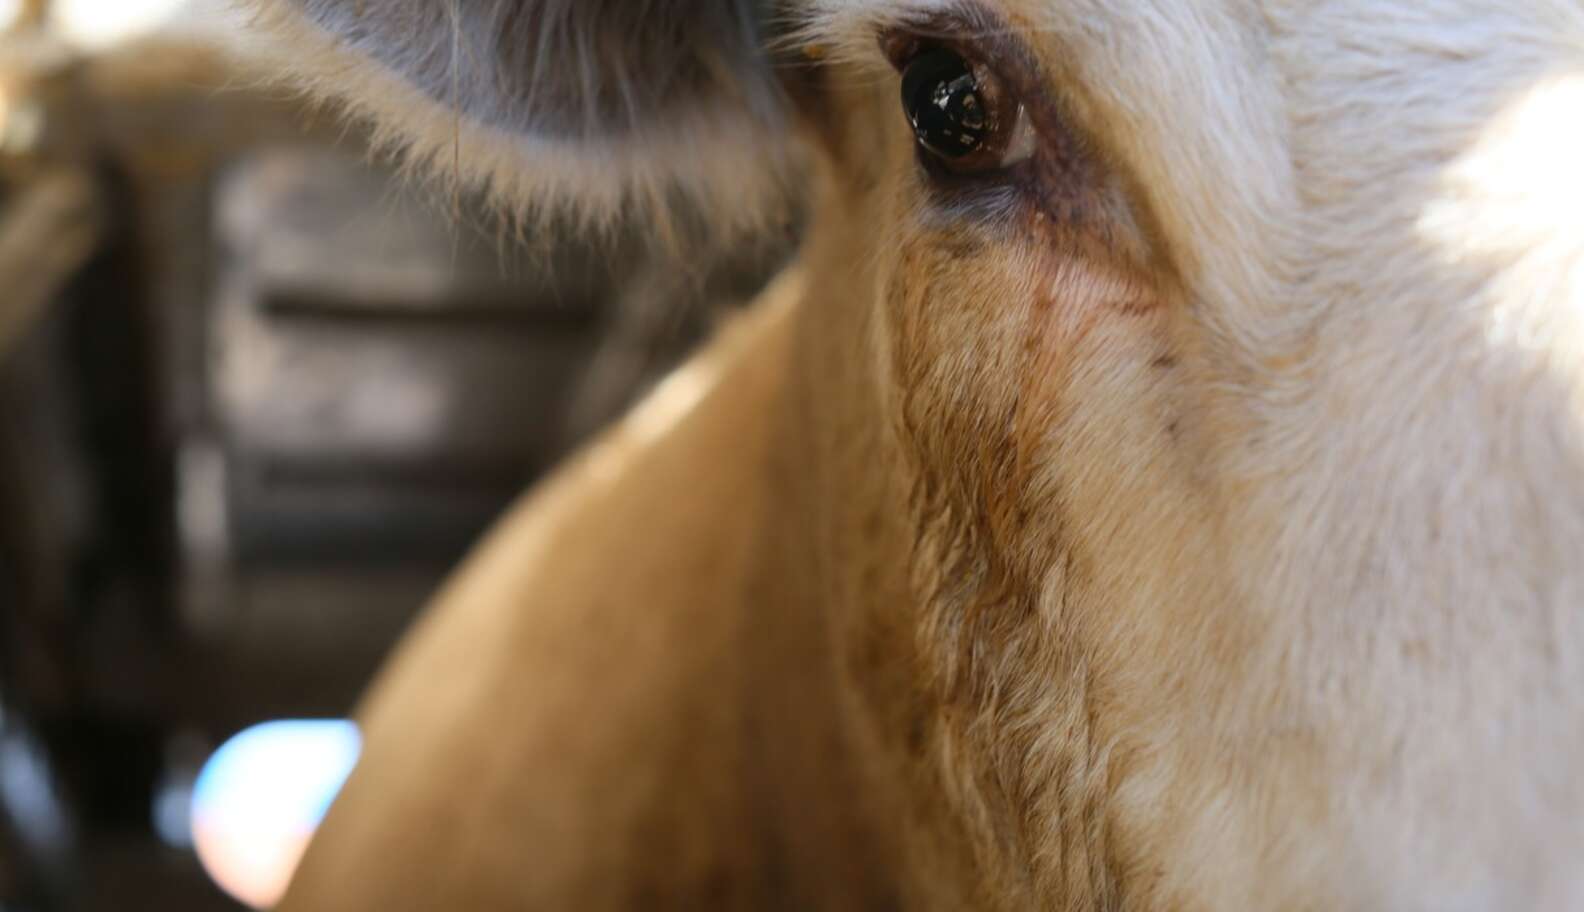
1202,539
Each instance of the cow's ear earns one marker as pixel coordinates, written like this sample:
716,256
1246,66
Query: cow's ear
611,108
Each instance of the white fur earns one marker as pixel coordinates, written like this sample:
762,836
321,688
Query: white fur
1376,206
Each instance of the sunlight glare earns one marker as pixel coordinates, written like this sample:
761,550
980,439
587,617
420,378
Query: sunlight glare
95,24
260,797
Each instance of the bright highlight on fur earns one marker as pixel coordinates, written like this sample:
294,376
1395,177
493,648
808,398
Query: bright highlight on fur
1516,197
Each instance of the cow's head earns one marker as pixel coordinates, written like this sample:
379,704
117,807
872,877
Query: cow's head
1194,398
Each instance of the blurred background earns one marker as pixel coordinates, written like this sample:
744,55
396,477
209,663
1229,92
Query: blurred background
257,397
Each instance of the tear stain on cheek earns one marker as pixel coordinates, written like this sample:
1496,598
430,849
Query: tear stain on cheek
986,349
1075,297
986,353
1079,292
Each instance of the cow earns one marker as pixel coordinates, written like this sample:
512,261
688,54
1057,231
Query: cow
1157,483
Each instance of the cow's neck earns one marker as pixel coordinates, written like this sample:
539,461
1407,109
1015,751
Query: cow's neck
837,555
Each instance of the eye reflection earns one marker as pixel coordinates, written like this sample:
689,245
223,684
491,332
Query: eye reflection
943,103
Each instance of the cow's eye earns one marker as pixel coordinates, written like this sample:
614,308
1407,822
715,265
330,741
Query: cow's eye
962,117
941,95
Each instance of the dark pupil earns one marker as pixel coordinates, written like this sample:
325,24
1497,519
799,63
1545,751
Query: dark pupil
943,103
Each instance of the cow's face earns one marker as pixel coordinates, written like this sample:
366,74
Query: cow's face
1212,369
